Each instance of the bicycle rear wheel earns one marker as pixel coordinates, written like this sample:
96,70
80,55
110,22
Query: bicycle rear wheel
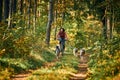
62,48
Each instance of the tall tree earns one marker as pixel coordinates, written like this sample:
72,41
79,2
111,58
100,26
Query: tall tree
108,20
50,19
63,13
1,4
29,6
55,20
21,6
10,14
6,9
35,9
14,5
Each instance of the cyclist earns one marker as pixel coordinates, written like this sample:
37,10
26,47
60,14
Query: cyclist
62,37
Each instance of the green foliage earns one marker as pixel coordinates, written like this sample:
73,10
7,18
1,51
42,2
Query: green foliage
80,39
48,56
117,28
21,49
104,60
105,66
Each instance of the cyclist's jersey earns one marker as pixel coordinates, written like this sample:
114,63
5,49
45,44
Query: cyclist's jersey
61,34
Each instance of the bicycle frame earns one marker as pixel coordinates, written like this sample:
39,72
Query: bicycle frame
62,47
62,44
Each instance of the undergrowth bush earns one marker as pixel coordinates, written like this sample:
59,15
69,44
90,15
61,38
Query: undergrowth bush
21,48
105,66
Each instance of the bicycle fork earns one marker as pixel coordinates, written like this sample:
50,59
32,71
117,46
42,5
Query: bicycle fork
62,48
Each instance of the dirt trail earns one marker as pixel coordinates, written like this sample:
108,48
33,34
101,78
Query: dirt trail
24,75
21,76
80,75
82,70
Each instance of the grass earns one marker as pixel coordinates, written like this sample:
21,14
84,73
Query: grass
18,64
60,71
36,60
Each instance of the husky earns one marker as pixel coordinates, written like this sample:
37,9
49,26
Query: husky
82,53
57,51
75,52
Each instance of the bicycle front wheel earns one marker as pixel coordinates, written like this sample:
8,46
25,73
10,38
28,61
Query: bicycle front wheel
62,48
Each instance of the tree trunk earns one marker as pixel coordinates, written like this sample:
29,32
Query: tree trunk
29,2
104,26
10,14
1,2
38,11
109,22
113,22
35,9
6,9
55,12
108,18
50,19
14,6
21,6
63,13
55,24
108,27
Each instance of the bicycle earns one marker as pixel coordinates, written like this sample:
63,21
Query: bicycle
62,45
62,48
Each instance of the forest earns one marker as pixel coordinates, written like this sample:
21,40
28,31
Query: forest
28,30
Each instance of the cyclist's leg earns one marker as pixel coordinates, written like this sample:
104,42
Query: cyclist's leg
63,46
60,43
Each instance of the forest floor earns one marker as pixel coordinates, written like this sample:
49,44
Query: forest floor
81,73
24,75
